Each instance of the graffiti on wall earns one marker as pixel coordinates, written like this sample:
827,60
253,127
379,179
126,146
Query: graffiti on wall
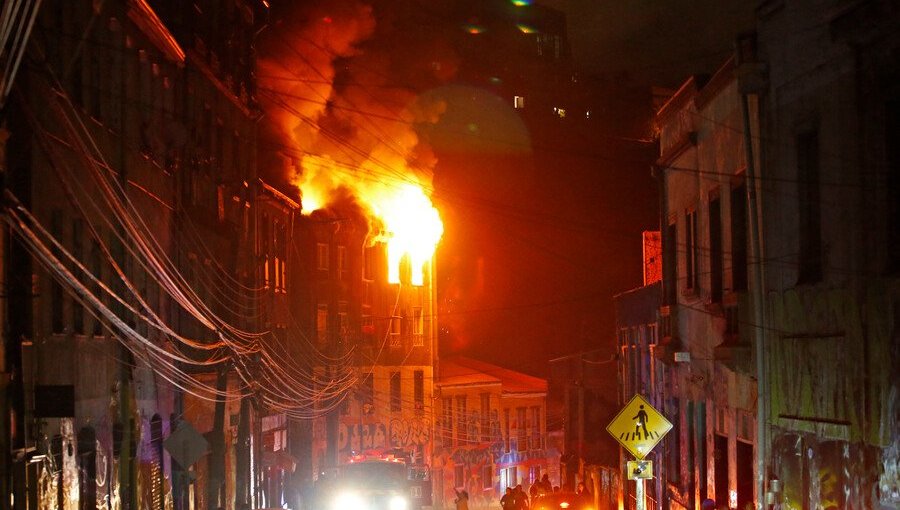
412,435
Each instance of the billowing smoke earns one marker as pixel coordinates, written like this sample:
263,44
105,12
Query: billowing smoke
339,86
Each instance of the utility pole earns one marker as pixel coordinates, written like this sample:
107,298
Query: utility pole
750,82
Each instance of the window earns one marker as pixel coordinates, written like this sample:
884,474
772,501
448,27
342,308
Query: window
715,248
396,325
536,443
418,327
690,251
343,321
461,422
220,203
512,476
739,238
419,390
322,324
447,420
521,432
370,263
459,476
485,417
461,431
322,257
368,328
518,102
342,262
487,476
670,249
395,392
810,232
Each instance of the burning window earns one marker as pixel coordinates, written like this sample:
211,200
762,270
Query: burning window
519,102
322,257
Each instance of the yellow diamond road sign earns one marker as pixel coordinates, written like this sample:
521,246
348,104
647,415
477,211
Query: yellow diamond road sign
639,427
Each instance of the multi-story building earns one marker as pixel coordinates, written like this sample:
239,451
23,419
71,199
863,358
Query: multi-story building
491,432
827,74
132,138
709,392
385,330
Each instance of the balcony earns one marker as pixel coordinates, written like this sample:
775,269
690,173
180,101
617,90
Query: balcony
669,342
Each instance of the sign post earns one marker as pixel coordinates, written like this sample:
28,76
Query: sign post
639,427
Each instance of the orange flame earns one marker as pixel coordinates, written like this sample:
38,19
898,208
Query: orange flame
412,225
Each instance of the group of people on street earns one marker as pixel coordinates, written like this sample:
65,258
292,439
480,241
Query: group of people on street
516,498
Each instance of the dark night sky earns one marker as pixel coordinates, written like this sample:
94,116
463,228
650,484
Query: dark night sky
541,229
657,42
533,273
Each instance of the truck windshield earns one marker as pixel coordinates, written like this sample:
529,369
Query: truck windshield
375,474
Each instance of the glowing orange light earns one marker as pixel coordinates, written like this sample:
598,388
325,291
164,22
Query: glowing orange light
414,229
526,29
412,225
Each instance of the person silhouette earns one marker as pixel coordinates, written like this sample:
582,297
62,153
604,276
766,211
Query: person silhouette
641,422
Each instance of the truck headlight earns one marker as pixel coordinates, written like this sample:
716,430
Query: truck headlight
397,503
348,501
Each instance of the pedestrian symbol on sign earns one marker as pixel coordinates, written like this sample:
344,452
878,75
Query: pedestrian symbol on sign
639,427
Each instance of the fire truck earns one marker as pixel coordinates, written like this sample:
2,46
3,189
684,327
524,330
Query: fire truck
380,482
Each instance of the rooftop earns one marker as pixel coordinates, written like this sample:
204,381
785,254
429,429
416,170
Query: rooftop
461,371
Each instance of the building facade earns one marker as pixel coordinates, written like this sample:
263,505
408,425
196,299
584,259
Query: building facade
491,432
826,73
703,349
132,140
383,332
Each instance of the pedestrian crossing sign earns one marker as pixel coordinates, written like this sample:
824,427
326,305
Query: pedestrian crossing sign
639,427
